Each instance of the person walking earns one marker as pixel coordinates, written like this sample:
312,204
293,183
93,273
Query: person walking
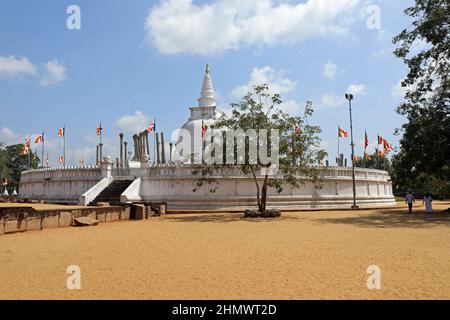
427,200
409,199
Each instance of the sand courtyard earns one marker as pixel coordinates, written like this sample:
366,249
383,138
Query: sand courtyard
302,255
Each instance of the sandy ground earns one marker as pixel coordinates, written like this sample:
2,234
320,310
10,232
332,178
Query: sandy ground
303,255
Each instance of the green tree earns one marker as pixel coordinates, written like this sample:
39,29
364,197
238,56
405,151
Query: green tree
375,162
425,144
12,163
298,151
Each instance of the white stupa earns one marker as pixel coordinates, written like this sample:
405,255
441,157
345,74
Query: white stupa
205,113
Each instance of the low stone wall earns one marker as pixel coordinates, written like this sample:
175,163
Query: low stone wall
175,185
21,219
58,184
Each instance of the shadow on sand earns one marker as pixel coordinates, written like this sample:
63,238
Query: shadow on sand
225,218
392,219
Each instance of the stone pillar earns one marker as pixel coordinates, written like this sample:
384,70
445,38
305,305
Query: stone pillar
135,146
170,151
163,149
106,167
121,149
139,146
146,143
100,151
158,159
125,154
96,157
143,145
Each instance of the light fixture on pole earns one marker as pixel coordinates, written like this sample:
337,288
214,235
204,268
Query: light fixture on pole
349,97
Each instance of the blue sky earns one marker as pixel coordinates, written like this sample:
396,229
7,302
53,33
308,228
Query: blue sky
135,60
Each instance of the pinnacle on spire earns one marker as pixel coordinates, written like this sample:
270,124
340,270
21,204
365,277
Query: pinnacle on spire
207,95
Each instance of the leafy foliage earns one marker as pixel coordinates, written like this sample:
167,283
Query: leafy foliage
425,145
12,163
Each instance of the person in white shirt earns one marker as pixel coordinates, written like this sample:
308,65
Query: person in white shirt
427,200
409,199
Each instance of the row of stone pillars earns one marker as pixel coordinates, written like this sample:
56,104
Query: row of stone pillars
142,147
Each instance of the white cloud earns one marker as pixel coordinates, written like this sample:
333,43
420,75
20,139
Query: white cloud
276,80
331,101
12,66
180,26
54,73
329,70
357,89
277,83
133,123
8,136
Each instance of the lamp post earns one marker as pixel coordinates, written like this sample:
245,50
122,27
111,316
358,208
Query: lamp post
349,97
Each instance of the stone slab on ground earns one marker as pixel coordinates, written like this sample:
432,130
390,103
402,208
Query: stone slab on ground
85,222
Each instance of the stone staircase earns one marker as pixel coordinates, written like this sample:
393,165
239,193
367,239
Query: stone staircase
112,192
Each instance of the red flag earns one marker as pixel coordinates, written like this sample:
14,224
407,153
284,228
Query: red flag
152,127
99,129
380,139
366,141
342,133
39,138
204,128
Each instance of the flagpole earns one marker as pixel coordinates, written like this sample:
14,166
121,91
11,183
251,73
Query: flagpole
154,139
43,145
64,146
339,155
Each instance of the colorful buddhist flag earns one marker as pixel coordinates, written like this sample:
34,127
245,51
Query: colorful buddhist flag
24,150
46,160
342,133
366,141
152,127
379,152
35,155
387,147
380,139
61,132
297,129
39,138
61,159
367,156
81,161
204,128
99,129
27,141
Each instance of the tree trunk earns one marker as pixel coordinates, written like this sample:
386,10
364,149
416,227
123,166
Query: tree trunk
264,195
258,196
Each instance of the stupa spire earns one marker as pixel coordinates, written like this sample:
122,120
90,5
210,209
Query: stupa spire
207,95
